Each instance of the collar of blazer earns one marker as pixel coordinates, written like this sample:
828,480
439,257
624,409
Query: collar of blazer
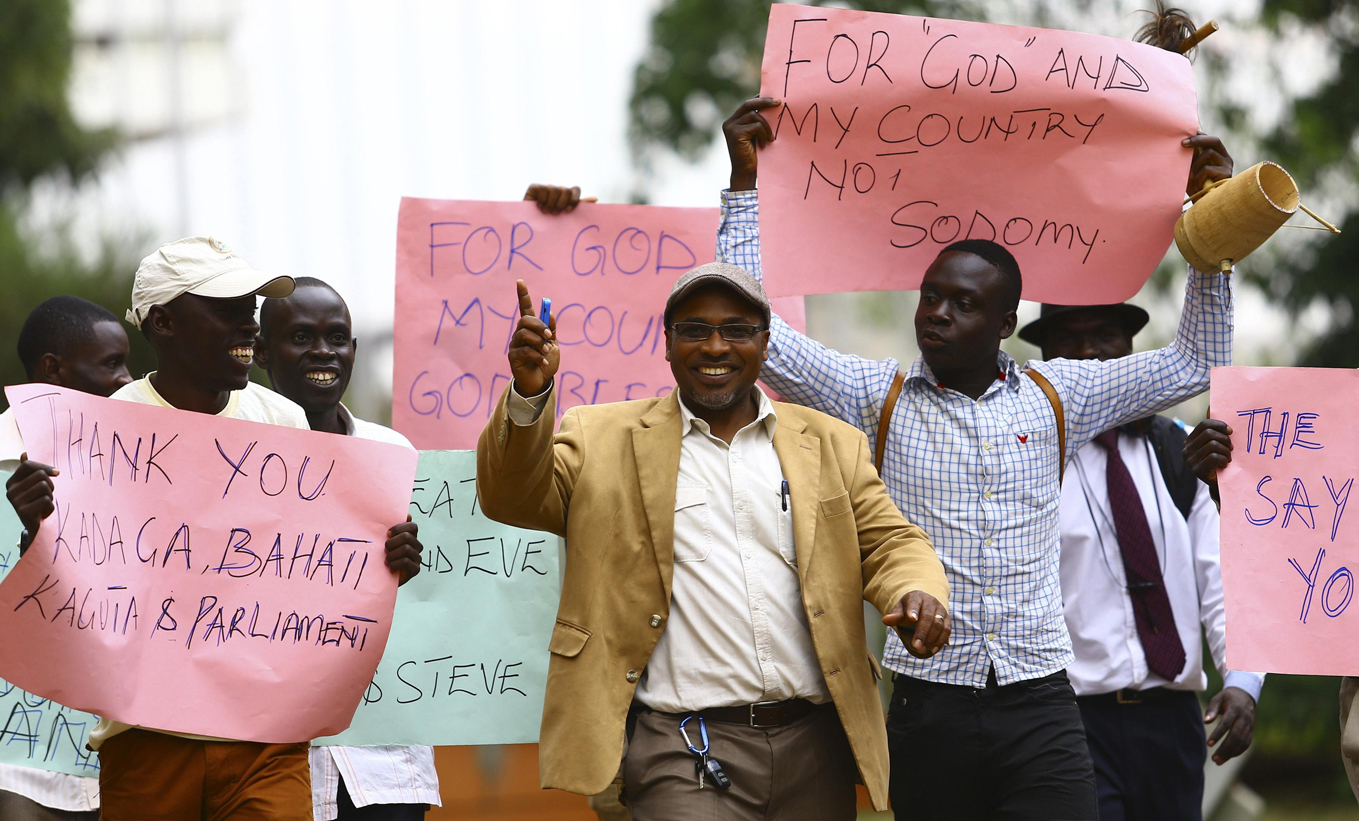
656,452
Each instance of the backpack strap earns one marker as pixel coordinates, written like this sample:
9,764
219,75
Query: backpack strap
1167,442
1051,393
885,420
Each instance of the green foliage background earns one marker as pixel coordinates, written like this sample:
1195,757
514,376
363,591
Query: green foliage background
40,141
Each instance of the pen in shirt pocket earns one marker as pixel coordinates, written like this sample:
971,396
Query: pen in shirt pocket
783,495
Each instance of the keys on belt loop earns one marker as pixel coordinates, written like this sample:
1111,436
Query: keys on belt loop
705,766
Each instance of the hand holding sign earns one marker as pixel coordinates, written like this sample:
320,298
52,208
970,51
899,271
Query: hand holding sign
555,199
29,491
1211,162
1209,449
534,353
402,550
747,131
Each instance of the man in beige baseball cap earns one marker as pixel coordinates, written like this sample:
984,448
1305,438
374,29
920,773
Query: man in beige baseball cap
194,301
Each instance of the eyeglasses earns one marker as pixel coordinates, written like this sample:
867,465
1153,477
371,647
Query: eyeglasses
701,331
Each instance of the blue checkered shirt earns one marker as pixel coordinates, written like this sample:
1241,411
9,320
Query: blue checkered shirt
981,476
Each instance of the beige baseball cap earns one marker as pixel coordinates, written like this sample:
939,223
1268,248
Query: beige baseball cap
203,266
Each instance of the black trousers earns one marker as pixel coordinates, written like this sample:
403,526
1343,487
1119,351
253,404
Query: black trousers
1148,756
1012,753
376,812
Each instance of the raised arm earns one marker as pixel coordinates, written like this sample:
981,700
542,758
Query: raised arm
848,387
525,474
1101,395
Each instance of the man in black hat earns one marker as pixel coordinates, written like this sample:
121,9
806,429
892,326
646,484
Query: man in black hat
1140,553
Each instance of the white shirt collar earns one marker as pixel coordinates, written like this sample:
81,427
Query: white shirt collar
346,419
764,415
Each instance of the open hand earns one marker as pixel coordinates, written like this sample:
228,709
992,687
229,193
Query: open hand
1236,709
534,353
746,131
922,623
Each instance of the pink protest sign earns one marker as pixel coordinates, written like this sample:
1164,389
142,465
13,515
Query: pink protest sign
1289,552
607,269
899,135
202,575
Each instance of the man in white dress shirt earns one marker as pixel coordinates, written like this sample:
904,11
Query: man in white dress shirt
1136,684
307,346
74,343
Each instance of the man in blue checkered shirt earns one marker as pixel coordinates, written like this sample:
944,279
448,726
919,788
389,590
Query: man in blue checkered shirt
988,727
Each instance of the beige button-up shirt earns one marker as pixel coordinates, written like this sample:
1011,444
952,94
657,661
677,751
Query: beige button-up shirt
737,632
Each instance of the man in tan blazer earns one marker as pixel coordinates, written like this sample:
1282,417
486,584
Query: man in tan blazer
710,633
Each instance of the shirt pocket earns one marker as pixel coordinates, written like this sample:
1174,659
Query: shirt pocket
693,524
787,545
1029,466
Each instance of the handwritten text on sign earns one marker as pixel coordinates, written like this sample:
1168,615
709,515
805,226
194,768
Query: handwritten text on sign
899,135
37,731
239,566
607,269
467,660
1289,550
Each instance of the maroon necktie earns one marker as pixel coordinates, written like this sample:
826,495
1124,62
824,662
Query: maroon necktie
1151,606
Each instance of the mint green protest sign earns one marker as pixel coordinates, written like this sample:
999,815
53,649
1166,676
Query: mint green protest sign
466,662
38,732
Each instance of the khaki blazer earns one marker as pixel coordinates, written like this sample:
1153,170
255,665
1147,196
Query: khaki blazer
606,481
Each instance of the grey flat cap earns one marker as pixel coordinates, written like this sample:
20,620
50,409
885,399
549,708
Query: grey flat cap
719,272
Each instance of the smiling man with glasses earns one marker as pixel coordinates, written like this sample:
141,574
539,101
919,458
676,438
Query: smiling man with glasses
719,548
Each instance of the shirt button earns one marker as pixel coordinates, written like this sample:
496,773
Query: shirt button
990,591
632,677
989,637
987,494
656,621
747,554
990,542
986,446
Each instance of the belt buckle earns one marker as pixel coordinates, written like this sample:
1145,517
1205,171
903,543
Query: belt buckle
1127,696
753,723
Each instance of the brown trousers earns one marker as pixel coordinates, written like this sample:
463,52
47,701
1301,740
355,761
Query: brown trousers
146,776
799,771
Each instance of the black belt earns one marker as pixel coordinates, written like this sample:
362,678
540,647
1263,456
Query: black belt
1130,696
765,714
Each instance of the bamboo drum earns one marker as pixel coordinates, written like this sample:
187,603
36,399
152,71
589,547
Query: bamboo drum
1236,216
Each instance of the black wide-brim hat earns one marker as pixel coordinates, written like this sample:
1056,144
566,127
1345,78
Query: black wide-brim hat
1132,317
